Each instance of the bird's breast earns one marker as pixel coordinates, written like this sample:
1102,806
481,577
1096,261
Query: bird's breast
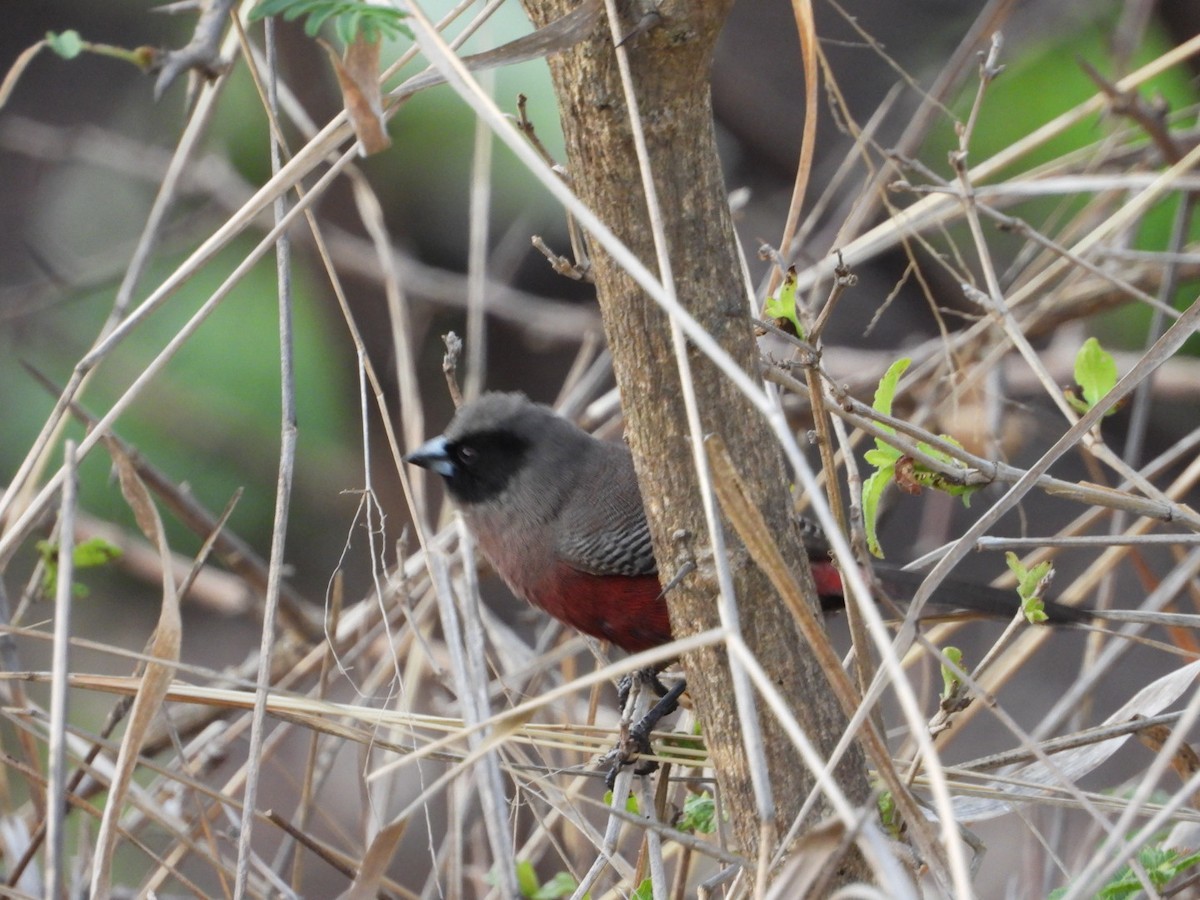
628,610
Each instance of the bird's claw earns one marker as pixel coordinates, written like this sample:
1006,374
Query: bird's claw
635,740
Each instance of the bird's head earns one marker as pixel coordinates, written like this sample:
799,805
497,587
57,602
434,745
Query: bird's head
495,443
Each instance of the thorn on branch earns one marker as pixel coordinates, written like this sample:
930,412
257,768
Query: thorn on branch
651,18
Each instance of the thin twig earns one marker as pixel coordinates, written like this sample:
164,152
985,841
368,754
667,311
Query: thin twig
454,346
283,497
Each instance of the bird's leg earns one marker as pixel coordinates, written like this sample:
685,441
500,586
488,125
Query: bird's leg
639,734
648,675
635,740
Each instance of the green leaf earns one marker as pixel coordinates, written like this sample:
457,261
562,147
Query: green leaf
1034,610
888,816
937,453
631,803
645,891
267,8
951,683
1075,403
318,17
683,743
561,885
886,392
1095,373
783,306
1161,864
1031,585
914,475
68,45
926,477
698,812
49,554
883,455
527,882
347,28
350,18
872,492
965,491
94,552
86,555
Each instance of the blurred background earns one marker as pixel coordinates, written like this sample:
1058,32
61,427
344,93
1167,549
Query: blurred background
83,148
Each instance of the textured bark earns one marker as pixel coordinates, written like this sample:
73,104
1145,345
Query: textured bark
671,71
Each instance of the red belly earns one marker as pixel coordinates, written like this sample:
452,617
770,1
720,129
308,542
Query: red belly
629,611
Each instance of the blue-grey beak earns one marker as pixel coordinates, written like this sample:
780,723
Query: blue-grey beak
433,455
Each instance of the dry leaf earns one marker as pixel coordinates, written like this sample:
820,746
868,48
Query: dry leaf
1041,780
1185,762
810,860
375,862
164,646
358,76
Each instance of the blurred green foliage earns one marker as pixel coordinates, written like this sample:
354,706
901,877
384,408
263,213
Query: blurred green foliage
1040,83
211,417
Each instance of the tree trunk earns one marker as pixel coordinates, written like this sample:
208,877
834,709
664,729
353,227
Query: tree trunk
671,71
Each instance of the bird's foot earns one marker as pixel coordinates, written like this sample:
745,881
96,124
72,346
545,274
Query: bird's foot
632,744
635,740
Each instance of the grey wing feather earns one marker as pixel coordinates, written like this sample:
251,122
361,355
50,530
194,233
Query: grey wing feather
604,529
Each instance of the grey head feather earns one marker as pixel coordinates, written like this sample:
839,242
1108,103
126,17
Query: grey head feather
519,465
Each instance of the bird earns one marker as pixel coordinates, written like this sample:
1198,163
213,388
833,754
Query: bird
559,515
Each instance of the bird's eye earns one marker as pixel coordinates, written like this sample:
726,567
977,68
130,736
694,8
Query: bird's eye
467,455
